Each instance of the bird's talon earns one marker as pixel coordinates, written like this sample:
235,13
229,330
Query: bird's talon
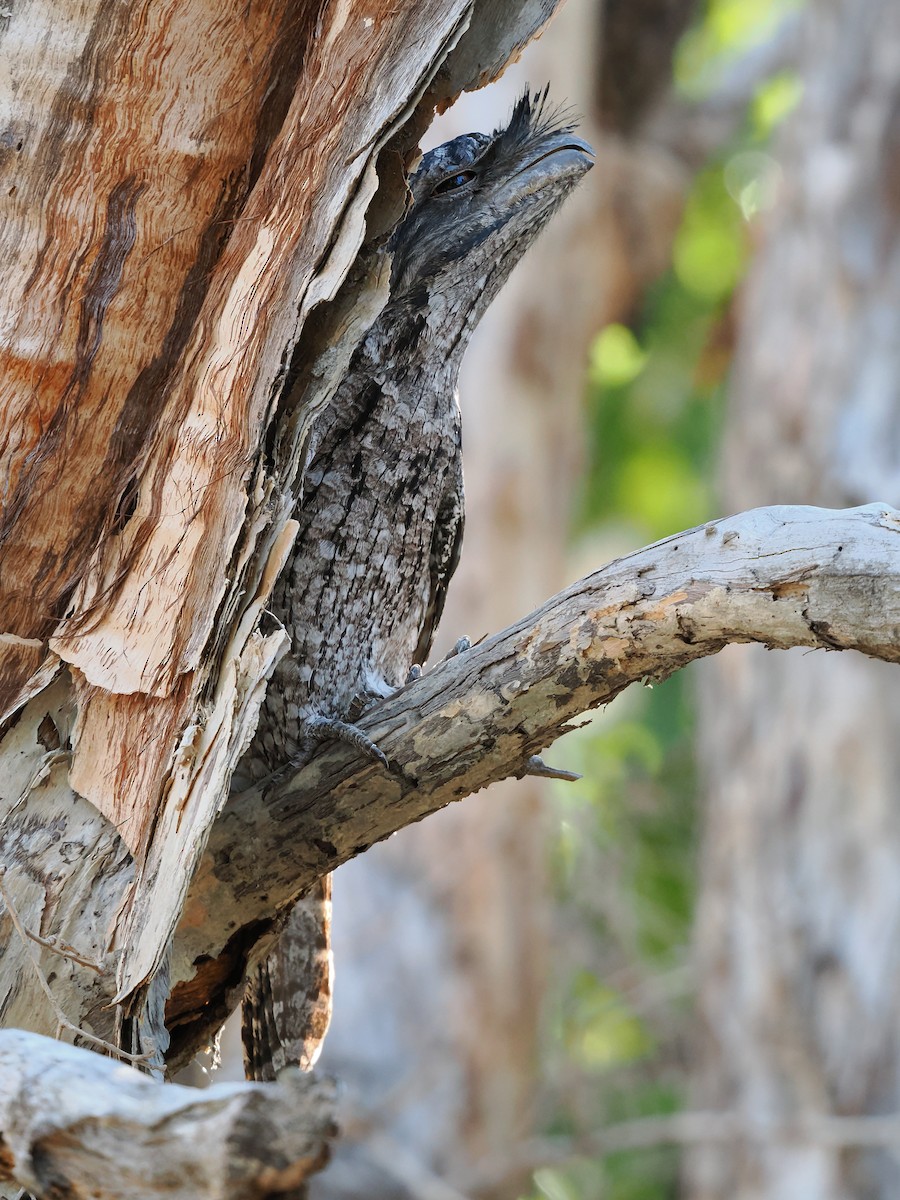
322,729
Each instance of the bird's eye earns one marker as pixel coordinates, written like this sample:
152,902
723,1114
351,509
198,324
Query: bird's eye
453,182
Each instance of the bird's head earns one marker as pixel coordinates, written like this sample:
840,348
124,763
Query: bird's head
478,202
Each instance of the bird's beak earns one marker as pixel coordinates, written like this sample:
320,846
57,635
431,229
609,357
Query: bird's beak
559,156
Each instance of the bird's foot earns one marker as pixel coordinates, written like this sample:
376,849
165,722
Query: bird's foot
320,728
462,645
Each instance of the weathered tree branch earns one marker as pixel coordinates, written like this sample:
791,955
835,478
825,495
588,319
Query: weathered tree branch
782,576
76,1124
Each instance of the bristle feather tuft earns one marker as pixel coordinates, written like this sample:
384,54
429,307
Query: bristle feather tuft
533,116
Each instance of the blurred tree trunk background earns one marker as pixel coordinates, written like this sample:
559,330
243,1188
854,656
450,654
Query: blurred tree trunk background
798,928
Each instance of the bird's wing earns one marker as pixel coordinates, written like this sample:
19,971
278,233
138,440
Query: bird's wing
446,545
287,1001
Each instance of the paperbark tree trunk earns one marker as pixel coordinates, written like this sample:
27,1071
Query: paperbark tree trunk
798,932
154,316
195,197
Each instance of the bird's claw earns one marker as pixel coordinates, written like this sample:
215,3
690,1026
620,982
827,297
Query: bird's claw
322,729
462,645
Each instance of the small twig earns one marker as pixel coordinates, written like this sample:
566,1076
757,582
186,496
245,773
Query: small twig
409,1170
65,951
537,766
62,1020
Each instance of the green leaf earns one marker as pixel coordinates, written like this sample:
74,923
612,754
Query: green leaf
616,357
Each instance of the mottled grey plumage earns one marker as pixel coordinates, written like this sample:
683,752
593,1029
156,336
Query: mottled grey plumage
381,515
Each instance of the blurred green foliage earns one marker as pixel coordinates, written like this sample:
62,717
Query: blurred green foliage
625,871
655,405
773,101
625,861
725,30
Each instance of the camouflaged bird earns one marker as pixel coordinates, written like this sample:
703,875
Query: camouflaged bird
381,514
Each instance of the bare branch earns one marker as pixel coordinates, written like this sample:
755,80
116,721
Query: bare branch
76,1123
783,576
537,766
684,1129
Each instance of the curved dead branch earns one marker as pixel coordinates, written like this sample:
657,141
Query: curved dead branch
76,1124
781,576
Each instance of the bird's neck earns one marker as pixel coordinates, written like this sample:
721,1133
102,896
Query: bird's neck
422,339
402,382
